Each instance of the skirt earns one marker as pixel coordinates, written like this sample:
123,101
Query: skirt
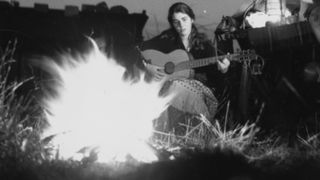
191,99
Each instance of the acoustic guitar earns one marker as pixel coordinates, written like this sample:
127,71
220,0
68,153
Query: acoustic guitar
177,63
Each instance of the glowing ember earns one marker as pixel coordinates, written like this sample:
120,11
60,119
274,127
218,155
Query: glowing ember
96,108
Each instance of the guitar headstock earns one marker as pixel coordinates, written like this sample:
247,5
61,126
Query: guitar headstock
253,61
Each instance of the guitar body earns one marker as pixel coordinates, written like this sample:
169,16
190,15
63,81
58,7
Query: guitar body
160,59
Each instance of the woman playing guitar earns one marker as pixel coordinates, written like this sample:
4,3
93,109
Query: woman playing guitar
182,42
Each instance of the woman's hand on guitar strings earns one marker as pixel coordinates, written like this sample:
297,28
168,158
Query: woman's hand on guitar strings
223,65
156,71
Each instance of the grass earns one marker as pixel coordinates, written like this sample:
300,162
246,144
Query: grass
21,118
23,155
206,135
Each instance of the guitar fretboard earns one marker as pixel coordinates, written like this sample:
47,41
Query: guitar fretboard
199,62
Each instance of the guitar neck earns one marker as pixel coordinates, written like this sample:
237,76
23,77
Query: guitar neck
198,63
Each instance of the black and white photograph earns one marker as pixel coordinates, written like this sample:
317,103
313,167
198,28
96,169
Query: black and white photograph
159,89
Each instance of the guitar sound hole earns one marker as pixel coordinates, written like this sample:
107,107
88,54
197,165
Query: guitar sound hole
169,67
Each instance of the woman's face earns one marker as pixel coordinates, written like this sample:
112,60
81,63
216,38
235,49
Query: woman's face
182,23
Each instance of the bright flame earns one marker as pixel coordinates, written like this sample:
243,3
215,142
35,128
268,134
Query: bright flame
96,108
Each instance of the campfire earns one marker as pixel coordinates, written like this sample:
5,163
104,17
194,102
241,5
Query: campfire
96,110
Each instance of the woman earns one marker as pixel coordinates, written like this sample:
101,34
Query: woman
192,96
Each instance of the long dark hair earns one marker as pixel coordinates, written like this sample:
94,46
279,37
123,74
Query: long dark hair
180,7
